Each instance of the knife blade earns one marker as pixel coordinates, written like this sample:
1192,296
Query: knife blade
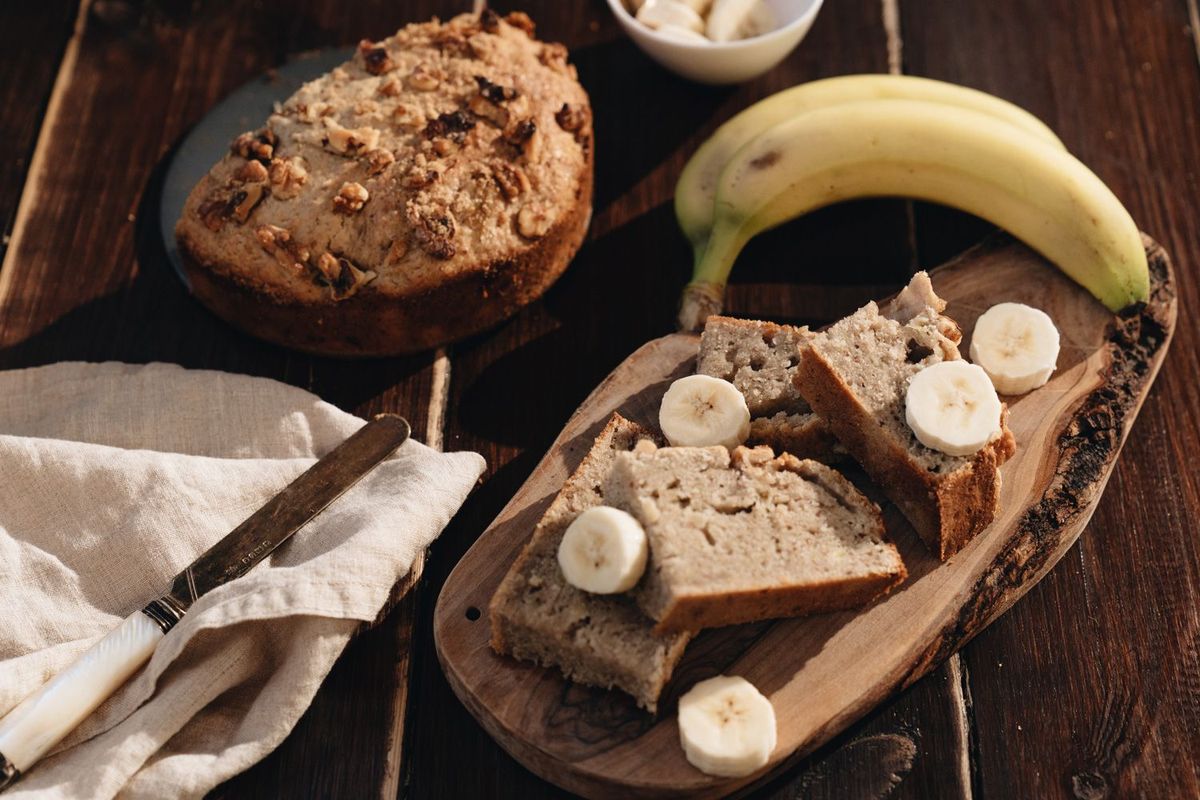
41,720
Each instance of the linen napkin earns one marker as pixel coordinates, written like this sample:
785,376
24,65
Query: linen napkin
113,477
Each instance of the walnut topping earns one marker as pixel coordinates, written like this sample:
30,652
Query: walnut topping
379,160
366,108
489,20
524,137
251,172
287,175
533,222
339,74
554,56
519,19
453,125
278,242
419,177
389,88
495,92
350,198
341,276
433,230
511,179
397,250
375,59
570,118
244,201
258,145
424,78
481,107
349,142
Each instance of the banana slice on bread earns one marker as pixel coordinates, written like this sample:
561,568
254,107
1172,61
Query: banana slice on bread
603,551
702,411
952,406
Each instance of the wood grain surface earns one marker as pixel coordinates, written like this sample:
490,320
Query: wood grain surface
824,671
1112,635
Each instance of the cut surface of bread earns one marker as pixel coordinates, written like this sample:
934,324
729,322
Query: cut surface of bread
760,358
422,191
748,536
855,375
600,640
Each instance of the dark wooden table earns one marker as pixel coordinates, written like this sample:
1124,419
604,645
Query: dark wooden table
1088,688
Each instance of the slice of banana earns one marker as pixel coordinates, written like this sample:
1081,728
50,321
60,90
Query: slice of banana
701,411
733,19
1017,346
952,407
682,34
603,551
726,726
655,13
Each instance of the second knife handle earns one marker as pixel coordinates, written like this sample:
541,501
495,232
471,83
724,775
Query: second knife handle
44,718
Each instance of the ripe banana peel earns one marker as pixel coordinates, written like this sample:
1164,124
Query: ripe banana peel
697,185
956,156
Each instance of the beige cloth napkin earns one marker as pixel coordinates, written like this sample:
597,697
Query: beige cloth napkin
113,477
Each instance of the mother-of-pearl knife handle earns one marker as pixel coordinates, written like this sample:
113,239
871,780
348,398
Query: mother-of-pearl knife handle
44,718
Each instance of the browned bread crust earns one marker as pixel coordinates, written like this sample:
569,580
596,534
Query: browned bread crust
372,323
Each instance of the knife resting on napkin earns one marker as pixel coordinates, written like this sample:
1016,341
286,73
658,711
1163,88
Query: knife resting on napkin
50,713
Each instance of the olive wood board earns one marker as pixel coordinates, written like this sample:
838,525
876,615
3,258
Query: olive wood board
822,672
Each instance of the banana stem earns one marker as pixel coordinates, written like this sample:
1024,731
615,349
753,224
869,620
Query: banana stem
704,295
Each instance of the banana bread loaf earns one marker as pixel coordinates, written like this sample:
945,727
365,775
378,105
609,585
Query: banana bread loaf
855,375
760,359
749,536
601,640
423,191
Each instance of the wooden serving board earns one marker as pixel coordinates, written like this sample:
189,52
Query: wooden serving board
822,672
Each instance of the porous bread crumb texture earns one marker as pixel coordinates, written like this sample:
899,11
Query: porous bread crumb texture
750,536
855,375
760,358
437,152
600,640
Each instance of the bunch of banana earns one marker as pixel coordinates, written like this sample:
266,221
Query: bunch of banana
899,136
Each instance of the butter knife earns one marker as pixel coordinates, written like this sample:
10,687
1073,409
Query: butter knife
44,718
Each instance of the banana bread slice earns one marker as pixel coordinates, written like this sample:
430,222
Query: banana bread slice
749,536
601,640
855,375
760,359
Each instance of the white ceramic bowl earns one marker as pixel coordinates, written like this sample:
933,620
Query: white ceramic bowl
724,62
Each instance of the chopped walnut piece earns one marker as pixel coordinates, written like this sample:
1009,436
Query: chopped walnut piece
366,108
451,40
379,160
424,78
511,179
350,198
524,137
278,242
419,177
554,56
570,118
519,19
489,20
258,145
533,222
349,142
287,175
389,88
453,125
397,250
244,201
375,58
251,172
341,276
433,229
481,107
213,212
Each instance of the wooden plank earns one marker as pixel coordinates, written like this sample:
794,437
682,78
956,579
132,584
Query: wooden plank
1090,687
34,41
86,278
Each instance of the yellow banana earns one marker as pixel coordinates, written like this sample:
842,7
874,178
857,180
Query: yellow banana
698,182
929,151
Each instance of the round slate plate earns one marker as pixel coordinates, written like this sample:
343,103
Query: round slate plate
245,109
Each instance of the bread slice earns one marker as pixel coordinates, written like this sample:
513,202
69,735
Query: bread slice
600,640
760,359
749,536
855,375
